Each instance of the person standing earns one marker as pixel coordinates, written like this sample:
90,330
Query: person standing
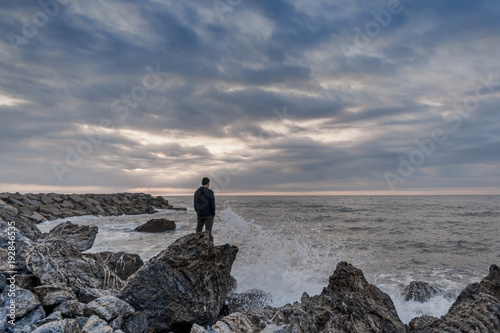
204,205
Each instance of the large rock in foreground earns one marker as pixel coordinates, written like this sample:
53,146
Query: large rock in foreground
348,304
185,284
477,309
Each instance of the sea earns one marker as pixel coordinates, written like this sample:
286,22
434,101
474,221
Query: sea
289,245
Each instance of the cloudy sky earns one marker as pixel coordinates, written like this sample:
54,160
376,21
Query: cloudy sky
281,96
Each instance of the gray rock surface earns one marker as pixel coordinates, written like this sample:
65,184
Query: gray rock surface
186,283
108,308
57,262
477,309
123,264
80,236
50,295
156,225
420,292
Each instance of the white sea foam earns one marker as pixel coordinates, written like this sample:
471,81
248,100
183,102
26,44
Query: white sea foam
280,261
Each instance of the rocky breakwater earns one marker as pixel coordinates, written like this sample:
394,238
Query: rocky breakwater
51,206
350,304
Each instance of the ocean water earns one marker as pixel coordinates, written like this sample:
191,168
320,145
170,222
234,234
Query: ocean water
292,244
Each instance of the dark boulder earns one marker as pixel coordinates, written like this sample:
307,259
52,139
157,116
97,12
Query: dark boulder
420,292
57,262
185,284
156,225
80,236
477,309
348,304
123,264
10,236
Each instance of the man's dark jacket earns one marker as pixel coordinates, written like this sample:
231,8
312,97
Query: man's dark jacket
204,202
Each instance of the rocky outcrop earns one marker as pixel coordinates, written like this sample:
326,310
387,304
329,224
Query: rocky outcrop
61,263
156,225
348,304
121,263
50,206
80,236
419,291
477,309
185,284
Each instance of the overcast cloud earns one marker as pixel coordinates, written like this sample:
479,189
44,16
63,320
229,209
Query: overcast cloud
387,97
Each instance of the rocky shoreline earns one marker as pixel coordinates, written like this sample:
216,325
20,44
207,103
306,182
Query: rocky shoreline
54,287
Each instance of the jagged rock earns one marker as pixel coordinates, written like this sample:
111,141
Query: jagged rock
136,323
3,282
28,322
420,292
54,316
123,264
156,225
22,246
251,299
15,202
50,295
67,204
4,196
77,199
87,295
26,227
348,304
57,262
96,325
80,236
108,308
186,283
477,309
71,309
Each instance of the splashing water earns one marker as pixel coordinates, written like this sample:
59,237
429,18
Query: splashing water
279,261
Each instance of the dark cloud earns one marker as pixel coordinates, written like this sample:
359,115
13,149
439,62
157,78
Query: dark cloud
262,91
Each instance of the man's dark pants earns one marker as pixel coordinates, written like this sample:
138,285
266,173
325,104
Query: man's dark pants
207,221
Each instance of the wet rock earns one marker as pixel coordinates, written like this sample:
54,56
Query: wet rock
251,299
156,225
57,262
80,236
348,304
123,264
477,309
420,292
108,308
186,283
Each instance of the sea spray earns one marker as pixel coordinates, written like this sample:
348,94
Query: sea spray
280,261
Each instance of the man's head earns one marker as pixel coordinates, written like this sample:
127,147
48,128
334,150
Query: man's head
205,181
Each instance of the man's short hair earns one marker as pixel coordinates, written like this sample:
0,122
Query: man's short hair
205,181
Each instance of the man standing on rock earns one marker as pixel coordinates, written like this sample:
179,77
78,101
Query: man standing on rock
204,205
